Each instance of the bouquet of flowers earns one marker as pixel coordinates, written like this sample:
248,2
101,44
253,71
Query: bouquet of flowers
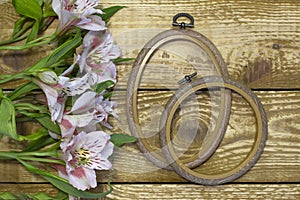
68,92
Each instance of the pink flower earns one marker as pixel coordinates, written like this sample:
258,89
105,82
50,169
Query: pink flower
84,153
57,94
98,52
80,13
93,107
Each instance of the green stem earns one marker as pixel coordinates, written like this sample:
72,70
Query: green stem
32,156
11,40
8,78
47,160
16,154
31,44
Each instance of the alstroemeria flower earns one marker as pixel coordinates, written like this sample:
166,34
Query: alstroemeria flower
91,106
84,153
80,13
98,52
55,98
57,94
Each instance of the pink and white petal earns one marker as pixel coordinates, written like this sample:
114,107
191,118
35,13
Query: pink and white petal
84,103
53,135
56,6
96,141
83,178
105,71
57,110
79,120
99,164
115,52
50,92
107,150
77,86
92,23
62,171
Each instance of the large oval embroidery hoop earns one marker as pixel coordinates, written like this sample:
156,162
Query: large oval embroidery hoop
214,138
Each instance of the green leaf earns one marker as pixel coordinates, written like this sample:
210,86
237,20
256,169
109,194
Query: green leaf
64,49
28,8
35,136
40,143
108,95
68,188
63,184
21,90
19,25
120,60
110,11
8,119
103,86
7,195
31,107
34,32
45,120
121,139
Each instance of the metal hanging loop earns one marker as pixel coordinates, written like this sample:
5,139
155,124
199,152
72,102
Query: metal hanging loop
183,25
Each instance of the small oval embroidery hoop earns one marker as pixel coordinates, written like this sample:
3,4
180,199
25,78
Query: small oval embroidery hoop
166,121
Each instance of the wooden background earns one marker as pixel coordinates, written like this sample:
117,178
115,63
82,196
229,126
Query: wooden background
260,43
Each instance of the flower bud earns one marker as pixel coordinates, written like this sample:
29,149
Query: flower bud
48,77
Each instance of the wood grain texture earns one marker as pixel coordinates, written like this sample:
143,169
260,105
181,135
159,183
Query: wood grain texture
260,43
177,191
190,191
279,162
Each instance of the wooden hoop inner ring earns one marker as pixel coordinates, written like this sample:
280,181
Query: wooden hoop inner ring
253,155
134,80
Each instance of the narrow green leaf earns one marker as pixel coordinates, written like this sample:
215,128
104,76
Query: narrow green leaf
40,143
45,120
110,11
35,136
68,188
28,8
63,184
6,196
120,60
64,49
8,119
34,32
103,86
31,107
121,139
19,25
21,90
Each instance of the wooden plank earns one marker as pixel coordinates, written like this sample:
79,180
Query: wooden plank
19,188
176,191
190,191
259,42
279,162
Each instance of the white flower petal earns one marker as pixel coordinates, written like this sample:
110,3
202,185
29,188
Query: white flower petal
79,120
107,151
96,141
83,178
84,103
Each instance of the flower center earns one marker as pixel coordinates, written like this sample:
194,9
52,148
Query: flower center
82,157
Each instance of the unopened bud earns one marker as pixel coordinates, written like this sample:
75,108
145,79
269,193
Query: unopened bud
48,77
